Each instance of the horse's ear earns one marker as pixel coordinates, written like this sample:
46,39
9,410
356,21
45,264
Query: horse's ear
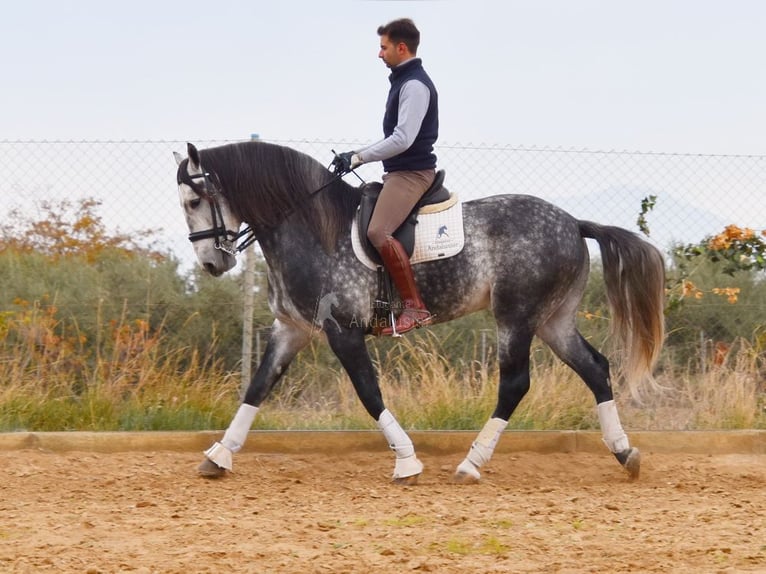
179,157
193,155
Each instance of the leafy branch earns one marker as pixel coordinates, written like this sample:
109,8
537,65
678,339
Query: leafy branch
647,204
739,249
733,250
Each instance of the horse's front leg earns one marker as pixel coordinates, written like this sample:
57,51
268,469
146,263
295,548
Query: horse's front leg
349,346
284,343
513,357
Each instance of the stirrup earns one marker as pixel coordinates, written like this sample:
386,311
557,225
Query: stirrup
398,329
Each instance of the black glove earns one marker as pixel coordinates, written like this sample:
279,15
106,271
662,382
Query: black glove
342,163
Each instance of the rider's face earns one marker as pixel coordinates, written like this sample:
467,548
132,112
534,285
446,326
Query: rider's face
392,54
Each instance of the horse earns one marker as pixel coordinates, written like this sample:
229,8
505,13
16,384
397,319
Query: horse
524,258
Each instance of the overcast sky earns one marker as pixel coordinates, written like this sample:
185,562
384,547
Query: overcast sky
656,75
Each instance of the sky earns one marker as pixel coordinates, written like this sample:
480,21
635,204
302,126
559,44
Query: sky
682,76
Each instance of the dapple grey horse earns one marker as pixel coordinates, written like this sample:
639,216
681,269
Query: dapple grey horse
524,258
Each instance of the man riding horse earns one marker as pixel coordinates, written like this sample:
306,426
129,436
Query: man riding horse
410,127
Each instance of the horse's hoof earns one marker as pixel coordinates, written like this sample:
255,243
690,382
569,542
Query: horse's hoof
466,473
464,478
633,464
405,480
209,469
407,470
630,459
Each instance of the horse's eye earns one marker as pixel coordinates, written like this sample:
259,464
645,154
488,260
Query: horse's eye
194,203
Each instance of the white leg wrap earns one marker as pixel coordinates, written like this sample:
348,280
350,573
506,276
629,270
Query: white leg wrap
407,464
235,436
397,439
483,447
611,428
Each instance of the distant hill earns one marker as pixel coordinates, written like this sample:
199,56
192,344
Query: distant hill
673,220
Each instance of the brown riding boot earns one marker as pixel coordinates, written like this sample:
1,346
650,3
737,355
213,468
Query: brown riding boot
414,313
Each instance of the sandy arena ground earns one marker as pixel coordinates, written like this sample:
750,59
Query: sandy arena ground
577,512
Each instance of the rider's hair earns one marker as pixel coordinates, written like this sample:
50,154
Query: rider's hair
402,30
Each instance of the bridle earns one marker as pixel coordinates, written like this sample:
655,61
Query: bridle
210,190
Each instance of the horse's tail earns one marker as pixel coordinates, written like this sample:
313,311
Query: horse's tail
634,273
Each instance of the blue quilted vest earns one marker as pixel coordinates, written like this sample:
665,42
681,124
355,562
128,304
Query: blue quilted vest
420,155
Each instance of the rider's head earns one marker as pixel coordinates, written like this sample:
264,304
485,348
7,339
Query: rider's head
399,41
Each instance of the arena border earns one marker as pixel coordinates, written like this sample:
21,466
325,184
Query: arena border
427,442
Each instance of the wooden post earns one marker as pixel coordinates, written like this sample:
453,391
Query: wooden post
248,297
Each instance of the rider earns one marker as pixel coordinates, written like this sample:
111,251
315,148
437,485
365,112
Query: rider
410,129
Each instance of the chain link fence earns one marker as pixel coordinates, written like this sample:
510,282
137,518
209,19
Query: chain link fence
697,195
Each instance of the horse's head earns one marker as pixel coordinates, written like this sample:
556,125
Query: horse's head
213,228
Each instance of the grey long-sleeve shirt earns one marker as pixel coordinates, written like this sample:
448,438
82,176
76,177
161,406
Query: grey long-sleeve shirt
414,98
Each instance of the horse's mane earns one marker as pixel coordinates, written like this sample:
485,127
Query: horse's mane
266,183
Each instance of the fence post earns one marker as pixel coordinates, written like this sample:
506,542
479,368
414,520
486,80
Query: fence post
248,297
247,319
484,347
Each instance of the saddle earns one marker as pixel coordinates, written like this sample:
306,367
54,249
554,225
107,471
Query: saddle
405,234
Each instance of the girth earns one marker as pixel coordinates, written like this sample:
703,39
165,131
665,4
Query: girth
405,234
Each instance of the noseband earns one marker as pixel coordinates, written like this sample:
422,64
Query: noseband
210,190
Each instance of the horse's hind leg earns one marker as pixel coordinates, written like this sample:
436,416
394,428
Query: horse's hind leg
349,346
284,343
564,339
513,357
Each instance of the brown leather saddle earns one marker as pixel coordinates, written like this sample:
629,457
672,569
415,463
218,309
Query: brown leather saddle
405,234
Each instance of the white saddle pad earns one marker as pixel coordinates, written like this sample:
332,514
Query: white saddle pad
438,234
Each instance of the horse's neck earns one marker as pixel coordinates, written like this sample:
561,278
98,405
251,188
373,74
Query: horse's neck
290,243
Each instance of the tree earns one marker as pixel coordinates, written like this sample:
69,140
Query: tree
66,229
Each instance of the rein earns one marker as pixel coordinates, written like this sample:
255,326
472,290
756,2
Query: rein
210,190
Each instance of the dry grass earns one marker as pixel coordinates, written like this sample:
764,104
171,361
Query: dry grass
133,382
730,393
48,381
426,392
